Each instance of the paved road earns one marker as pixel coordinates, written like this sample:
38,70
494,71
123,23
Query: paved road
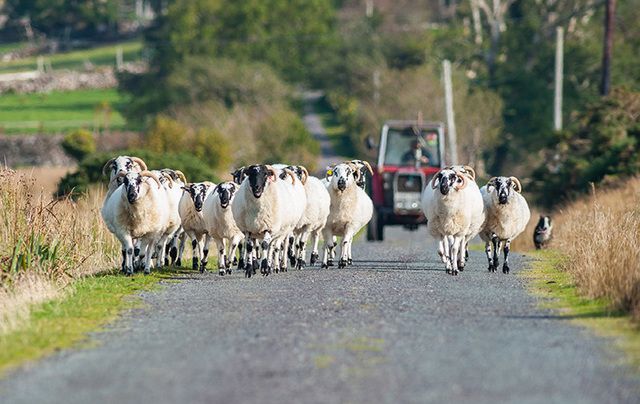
313,123
393,328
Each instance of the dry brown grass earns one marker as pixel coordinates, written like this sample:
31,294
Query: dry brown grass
600,236
44,179
45,244
524,242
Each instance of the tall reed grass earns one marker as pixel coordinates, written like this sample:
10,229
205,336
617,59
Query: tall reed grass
45,244
600,237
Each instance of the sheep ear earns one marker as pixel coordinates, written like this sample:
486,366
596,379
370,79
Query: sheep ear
435,178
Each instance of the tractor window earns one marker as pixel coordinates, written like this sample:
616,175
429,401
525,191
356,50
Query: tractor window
402,144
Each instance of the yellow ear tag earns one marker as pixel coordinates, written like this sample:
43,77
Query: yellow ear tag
329,172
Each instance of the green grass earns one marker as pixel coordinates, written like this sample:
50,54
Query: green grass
90,304
558,292
99,56
12,46
58,112
335,130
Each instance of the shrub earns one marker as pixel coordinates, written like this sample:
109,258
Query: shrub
90,169
79,144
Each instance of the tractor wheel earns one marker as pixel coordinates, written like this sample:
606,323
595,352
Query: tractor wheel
375,229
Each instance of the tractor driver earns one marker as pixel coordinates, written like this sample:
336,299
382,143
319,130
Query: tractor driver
416,152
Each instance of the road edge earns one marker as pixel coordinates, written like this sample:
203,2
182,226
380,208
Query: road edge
557,291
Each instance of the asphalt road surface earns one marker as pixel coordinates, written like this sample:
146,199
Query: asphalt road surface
392,328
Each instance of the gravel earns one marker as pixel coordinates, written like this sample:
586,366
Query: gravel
393,328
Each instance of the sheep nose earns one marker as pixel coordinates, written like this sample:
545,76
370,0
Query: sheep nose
342,184
444,188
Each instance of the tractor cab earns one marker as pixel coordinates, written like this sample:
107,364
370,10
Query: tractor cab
409,154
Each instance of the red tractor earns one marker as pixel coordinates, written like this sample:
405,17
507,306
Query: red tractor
409,154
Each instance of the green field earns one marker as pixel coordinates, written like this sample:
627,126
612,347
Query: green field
99,56
58,112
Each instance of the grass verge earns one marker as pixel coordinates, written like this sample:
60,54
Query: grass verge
559,292
60,111
64,322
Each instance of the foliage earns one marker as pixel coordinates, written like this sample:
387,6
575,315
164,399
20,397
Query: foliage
601,146
54,17
79,144
90,169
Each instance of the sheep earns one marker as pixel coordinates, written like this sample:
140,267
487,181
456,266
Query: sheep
175,245
507,216
193,223
314,218
258,210
173,191
453,207
542,234
137,209
121,164
350,210
220,225
295,222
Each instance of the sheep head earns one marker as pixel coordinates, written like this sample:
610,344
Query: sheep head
259,175
225,192
134,184
198,192
123,164
503,187
343,175
448,179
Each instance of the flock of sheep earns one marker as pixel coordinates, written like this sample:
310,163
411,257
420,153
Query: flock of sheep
265,217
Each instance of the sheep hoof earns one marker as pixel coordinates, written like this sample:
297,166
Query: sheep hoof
247,273
314,258
505,269
241,264
128,271
454,272
147,270
178,262
264,266
330,263
166,262
235,261
301,263
461,266
349,261
342,264
222,272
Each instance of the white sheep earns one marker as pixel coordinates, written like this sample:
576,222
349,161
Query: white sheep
453,207
507,217
193,224
350,210
137,209
221,227
259,208
175,245
313,220
121,165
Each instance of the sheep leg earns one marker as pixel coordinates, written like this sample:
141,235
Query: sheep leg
241,254
196,254
291,247
204,243
326,235
219,243
344,250
235,243
284,262
487,250
455,249
183,241
442,251
127,255
161,258
266,245
146,251
349,256
302,249
248,269
314,253
496,250
505,266
447,248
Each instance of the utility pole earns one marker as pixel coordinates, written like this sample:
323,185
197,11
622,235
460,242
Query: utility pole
557,99
448,102
119,58
609,19
376,87
369,8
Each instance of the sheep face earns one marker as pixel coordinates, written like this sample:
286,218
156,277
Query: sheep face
544,224
448,179
226,191
133,185
342,176
197,192
504,187
259,176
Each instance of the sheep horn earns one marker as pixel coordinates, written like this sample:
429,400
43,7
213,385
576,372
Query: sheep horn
108,164
290,174
151,175
465,181
434,178
169,178
141,163
305,174
518,184
366,163
181,175
471,171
